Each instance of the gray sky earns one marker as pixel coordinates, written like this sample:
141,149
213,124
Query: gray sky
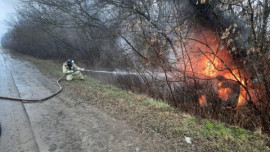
7,9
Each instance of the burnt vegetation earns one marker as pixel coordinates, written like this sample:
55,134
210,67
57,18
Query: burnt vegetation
206,57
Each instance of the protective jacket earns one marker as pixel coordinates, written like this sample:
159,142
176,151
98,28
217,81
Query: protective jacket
72,72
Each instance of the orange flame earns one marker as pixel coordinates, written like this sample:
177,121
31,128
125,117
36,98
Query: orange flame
235,75
224,93
210,59
202,100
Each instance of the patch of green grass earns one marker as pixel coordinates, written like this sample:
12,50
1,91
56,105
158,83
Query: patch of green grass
152,116
150,102
259,143
209,125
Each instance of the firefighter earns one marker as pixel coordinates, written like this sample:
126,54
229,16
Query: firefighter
72,70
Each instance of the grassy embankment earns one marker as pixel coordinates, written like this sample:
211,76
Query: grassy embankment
152,117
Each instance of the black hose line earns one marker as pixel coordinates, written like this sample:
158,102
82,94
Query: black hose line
45,98
42,99
37,100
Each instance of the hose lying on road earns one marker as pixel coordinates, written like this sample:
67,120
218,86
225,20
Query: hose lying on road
37,100
42,99
48,97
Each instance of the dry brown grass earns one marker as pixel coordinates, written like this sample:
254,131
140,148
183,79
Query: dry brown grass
156,119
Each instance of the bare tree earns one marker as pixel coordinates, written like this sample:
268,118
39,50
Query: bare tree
203,56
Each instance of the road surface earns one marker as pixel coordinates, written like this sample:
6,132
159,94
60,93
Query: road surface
59,124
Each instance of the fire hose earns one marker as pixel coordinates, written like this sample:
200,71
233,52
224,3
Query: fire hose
37,100
44,98
41,99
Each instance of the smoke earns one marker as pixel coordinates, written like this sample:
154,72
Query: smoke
211,16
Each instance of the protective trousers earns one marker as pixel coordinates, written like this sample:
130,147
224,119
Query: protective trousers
75,75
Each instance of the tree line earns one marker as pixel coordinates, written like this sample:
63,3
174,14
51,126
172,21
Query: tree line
168,38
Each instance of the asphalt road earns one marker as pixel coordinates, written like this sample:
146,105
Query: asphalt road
17,134
59,124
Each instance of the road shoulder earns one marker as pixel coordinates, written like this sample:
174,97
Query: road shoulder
161,126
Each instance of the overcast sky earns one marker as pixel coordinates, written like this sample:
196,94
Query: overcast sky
7,9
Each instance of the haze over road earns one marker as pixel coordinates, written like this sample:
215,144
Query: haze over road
7,8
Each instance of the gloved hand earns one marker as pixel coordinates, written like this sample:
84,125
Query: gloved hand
77,72
82,69
70,71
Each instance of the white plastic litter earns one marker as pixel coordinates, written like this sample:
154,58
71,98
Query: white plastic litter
137,149
188,140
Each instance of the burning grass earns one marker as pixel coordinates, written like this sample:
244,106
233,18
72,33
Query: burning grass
210,59
156,120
